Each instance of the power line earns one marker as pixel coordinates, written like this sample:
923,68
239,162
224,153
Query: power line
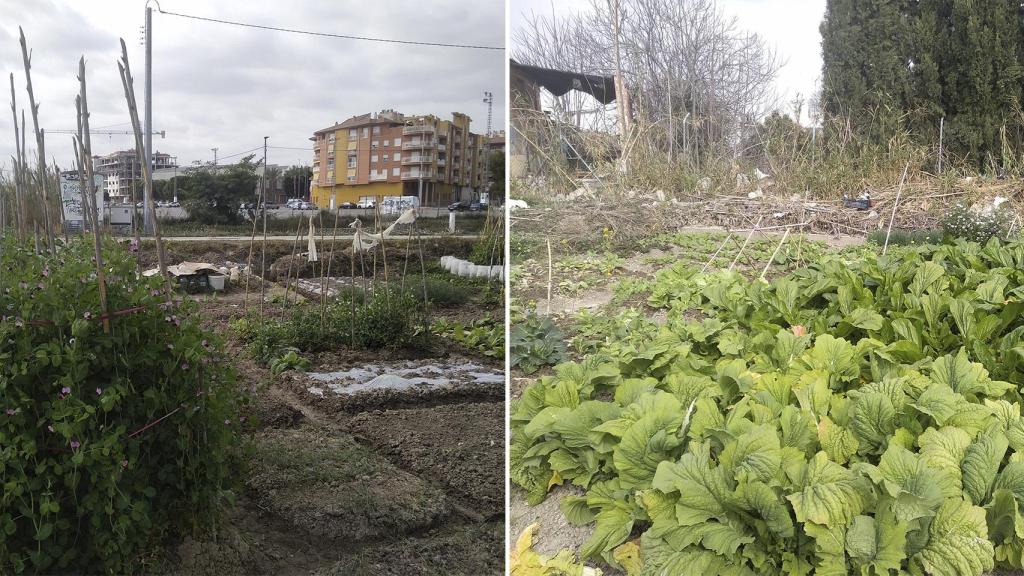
328,35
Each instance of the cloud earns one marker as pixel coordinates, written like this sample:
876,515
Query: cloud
222,86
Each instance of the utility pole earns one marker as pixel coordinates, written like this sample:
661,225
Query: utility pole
489,100
147,214
214,156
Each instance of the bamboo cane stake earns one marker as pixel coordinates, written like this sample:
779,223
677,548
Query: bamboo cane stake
291,260
330,260
715,255
60,204
18,192
774,254
383,254
423,278
40,144
323,265
147,170
352,299
87,154
747,241
248,263
362,258
263,246
894,205
550,269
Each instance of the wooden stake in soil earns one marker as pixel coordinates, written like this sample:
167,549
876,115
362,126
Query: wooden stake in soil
147,170
774,254
40,145
745,242
550,268
715,255
248,262
330,260
87,154
291,260
894,205
18,192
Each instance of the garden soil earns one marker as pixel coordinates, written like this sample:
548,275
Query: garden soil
380,483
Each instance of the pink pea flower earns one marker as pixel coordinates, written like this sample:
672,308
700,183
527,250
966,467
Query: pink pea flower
87,315
75,444
184,365
99,391
10,411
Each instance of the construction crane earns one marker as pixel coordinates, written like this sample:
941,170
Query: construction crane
161,133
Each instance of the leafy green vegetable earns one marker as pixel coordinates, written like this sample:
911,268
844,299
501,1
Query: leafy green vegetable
854,416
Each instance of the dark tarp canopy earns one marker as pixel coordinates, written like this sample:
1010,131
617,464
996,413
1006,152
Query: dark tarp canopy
558,82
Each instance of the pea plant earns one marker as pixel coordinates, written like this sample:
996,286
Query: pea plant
108,440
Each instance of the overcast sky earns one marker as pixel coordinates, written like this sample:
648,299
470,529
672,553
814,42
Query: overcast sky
790,26
226,87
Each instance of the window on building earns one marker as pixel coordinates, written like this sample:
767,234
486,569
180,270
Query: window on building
387,143
373,158
351,179
394,171
386,157
366,132
376,130
398,156
353,134
374,144
398,141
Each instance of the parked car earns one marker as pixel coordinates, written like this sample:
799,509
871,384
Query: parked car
366,203
458,207
476,207
307,206
347,205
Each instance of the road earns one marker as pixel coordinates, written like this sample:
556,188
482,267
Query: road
301,238
170,213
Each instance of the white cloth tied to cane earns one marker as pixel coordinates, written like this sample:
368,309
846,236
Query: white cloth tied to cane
363,241
312,255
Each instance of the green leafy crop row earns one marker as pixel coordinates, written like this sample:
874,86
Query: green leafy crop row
855,416
108,442
390,317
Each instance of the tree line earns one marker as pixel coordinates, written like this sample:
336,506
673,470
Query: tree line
925,66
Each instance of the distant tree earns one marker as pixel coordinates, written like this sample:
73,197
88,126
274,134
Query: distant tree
295,181
496,175
273,176
892,64
866,50
213,197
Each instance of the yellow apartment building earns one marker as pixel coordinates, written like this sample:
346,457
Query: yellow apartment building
391,154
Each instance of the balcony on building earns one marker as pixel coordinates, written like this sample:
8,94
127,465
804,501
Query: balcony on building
378,177
417,159
417,174
418,129
418,143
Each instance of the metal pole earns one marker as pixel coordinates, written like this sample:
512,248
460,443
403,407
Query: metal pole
147,214
942,123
